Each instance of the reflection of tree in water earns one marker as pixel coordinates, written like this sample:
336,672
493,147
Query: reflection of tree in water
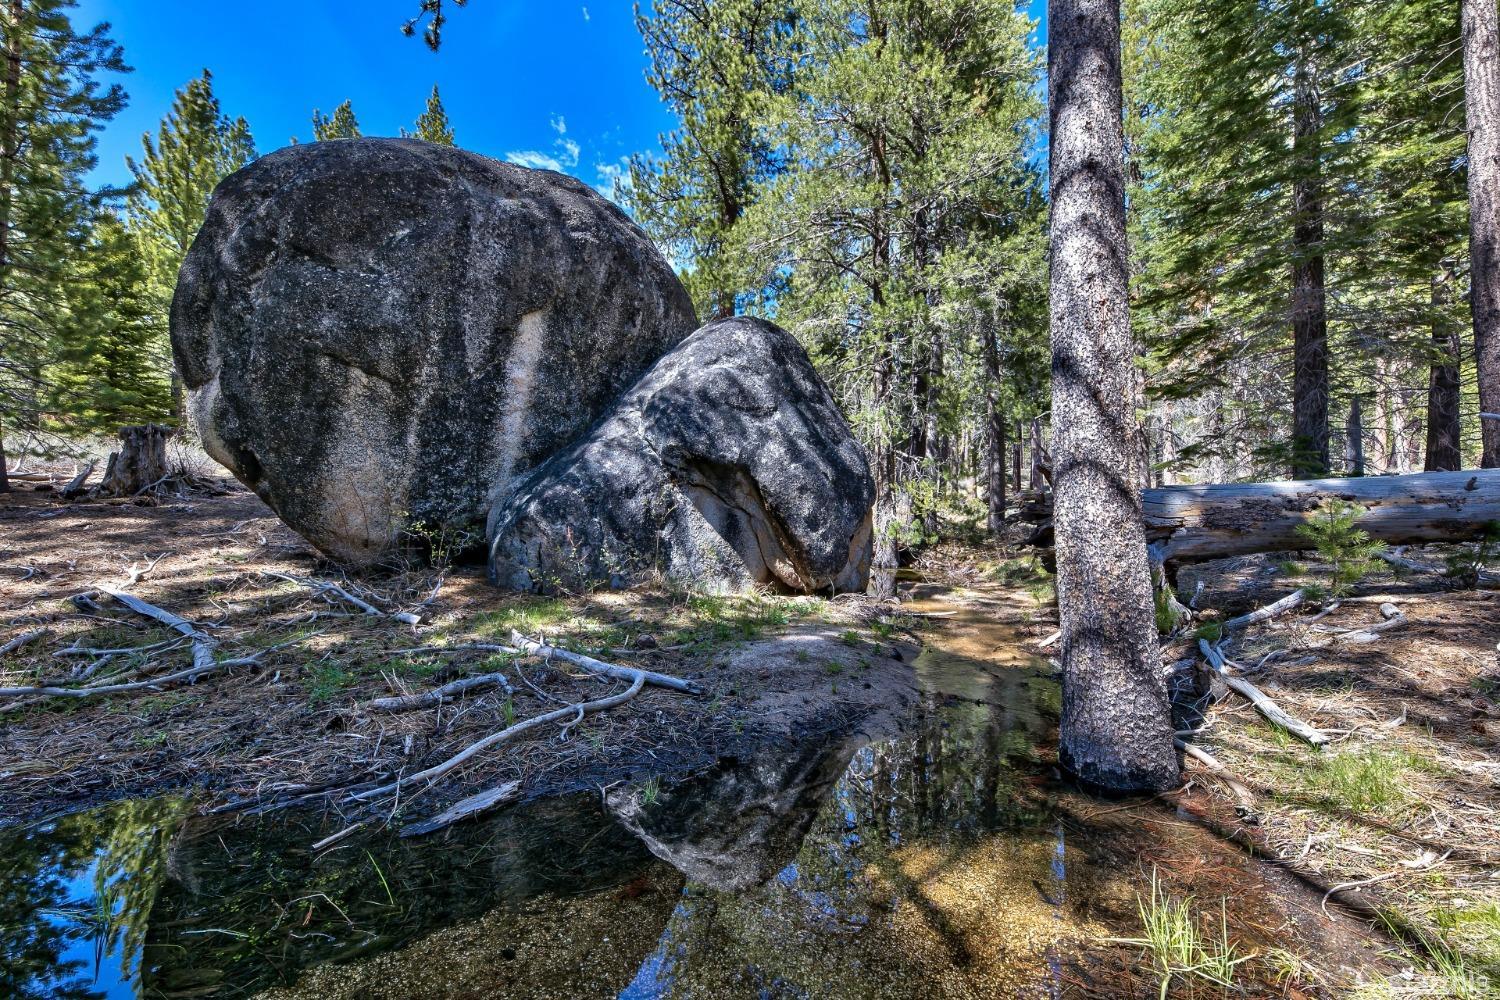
866,906
41,918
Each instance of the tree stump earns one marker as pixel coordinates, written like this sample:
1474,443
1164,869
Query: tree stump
141,462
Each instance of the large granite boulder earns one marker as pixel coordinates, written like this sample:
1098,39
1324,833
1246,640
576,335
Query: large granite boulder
376,333
728,465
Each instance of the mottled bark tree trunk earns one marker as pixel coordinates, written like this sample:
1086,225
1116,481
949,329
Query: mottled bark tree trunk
1116,731
994,462
1015,458
1354,440
1482,106
10,145
1309,305
1038,481
1443,425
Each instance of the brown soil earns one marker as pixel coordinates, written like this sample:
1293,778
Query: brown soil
298,718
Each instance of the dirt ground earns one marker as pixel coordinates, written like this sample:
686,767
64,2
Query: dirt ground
1396,817
298,721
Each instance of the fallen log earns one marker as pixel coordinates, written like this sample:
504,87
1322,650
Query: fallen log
1188,524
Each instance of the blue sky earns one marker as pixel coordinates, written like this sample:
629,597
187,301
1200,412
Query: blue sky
555,83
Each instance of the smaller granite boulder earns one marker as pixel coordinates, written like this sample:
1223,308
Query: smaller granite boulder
728,465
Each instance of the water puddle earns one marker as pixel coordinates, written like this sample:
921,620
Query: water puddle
941,860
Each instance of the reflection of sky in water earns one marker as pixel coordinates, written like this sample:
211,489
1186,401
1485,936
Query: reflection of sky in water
654,978
92,958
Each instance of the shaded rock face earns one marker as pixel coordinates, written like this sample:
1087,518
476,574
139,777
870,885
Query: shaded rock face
727,465
376,333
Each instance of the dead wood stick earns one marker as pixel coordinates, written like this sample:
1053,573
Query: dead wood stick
190,674
203,645
334,838
435,772
464,808
1268,612
24,640
427,699
138,574
155,683
76,484
1241,794
600,667
1394,619
329,587
1264,705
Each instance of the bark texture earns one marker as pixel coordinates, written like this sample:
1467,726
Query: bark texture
1115,730
140,463
1482,107
1309,302
1443,389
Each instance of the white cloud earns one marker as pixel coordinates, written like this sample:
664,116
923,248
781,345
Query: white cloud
607,174
563,157
533,159
586,14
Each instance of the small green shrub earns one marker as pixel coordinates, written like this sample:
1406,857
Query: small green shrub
1347,549
1465,565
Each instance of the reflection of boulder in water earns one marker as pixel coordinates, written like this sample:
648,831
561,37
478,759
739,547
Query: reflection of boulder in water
742,821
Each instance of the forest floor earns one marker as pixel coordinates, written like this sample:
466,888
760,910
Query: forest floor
1398,812
1398,815
298,721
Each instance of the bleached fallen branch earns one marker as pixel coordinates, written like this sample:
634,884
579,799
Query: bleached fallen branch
1258,698
329,587
600,667
24,640
1394,619
1272,610
203,644
435,772
428,699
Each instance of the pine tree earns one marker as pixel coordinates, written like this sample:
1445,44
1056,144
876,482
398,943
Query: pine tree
432,124
904,143
109,360
342,124
51,104
714,62
194,148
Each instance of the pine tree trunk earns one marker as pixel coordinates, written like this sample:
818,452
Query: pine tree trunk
1115,731
1015,459
994,422
4,468
1443,426
1309,305
1354,440
1038,481
140,463
1482,106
